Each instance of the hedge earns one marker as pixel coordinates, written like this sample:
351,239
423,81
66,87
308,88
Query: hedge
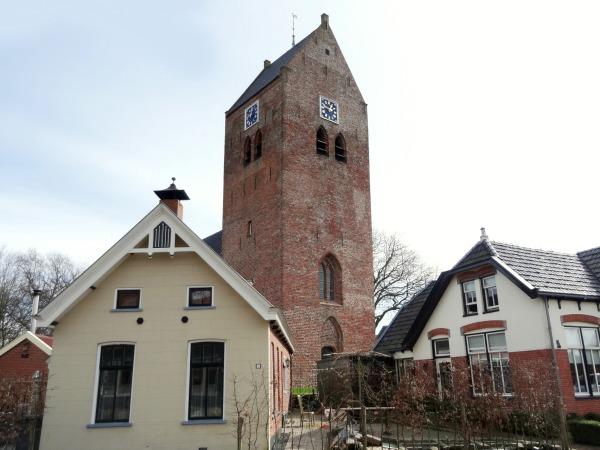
585,431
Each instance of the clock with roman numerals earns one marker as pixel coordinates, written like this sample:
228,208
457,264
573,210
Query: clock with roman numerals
329,109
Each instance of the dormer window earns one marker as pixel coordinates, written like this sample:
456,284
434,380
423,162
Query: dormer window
322,144
469,297
340,148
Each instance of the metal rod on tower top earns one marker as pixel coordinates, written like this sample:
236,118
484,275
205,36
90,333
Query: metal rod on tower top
294,17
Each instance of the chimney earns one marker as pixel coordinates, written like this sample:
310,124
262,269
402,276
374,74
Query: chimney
34,309
324,21
484,236
267,63
172,197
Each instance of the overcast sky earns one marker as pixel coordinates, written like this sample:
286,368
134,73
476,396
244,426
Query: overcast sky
480,114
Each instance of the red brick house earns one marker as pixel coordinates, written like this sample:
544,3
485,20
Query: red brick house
26,356
502,307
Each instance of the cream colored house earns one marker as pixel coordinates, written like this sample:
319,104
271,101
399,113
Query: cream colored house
158,343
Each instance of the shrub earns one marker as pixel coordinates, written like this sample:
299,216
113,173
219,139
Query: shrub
585,431
592,416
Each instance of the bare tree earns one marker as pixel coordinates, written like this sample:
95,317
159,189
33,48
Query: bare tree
20,273
398,274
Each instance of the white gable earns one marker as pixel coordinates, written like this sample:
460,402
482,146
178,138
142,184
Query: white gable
128,244
28,335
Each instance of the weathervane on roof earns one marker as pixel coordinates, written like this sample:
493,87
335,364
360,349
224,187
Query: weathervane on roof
294,17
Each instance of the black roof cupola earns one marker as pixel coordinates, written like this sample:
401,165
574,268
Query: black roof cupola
172,198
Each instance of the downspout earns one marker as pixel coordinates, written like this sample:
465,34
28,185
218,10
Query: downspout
564,436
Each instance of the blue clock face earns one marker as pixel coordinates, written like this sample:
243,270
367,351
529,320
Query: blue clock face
252,115
329,109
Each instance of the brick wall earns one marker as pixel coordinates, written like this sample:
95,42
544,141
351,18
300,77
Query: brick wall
304,206
15,363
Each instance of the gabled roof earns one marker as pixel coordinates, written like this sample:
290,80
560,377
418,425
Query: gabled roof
267,75
110,260
392,338
536,272
42,342
546,272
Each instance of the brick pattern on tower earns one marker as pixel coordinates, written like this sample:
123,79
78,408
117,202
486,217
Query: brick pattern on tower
304,206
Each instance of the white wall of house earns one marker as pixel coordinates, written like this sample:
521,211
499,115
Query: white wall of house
569,307
525,319
158,401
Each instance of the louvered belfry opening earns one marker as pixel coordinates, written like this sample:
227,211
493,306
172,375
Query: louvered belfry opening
247,151
258,145
322,144
162,236
340,148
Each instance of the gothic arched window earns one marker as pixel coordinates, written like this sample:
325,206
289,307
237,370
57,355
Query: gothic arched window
247,151
322,144
340,148
330,279
257,145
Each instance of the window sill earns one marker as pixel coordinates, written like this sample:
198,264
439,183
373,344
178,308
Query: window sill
120,310
488,311
330,304
204,422
191,308
109,425
586,396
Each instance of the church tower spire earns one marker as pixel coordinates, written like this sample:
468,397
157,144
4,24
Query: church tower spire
296,203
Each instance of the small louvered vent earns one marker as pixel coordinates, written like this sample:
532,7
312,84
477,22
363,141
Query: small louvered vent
162,236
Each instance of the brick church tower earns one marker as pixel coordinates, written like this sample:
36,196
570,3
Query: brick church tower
296,203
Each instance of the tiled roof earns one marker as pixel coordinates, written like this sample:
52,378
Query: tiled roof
591,258
214,241
267,75
547,271
393,338
550,272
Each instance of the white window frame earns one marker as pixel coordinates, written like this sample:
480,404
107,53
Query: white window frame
401,364
472,301
486,297
489,358
97,382
187,297
435,351
139,308
582,349
186,400
438,363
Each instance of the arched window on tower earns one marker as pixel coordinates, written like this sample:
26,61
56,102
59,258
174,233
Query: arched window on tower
257,145
340,148
322,144
247,151
330,280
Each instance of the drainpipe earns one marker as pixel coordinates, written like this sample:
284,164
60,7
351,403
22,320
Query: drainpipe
34,309
564,436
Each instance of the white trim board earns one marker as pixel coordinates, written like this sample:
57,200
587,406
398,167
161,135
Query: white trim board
113,257
28,335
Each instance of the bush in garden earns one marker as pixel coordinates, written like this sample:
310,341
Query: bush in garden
585,431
